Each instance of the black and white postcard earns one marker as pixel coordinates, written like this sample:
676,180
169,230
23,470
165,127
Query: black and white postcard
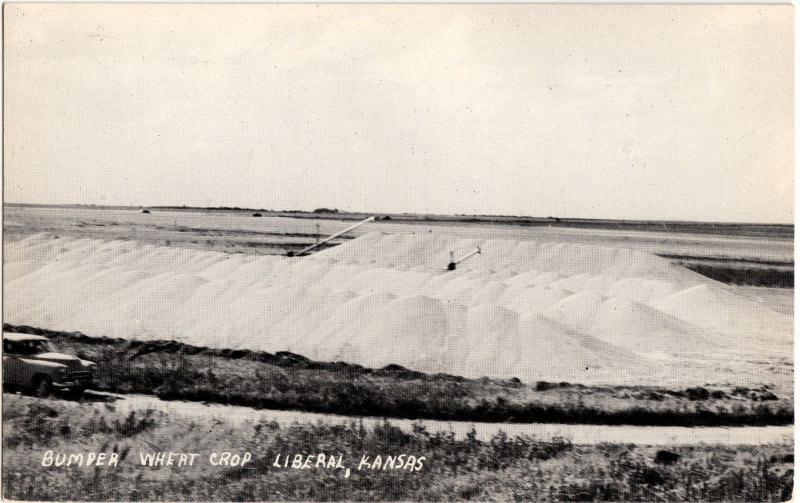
353,252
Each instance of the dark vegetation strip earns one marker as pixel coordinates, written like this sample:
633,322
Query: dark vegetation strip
486,411
287,381
728,260
754,276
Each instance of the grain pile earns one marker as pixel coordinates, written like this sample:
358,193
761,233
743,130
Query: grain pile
519,309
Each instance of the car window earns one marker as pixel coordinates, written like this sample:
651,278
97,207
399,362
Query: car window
35,347
25,347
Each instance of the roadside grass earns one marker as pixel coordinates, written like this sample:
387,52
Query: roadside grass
285,381
501,469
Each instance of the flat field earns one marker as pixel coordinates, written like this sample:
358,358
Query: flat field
278,232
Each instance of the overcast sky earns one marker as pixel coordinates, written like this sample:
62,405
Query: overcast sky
641,112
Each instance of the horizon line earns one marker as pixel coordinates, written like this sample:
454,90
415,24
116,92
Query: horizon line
554,219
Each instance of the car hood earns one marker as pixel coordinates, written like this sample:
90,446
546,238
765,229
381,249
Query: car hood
43,363
70,361
57,357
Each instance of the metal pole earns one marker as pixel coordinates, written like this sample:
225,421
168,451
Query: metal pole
333,236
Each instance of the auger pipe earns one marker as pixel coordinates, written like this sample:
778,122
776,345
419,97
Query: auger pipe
332,236
452,265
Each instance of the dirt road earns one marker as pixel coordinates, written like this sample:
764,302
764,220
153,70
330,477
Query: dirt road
576,433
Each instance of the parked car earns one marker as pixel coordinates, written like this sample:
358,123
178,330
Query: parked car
31,364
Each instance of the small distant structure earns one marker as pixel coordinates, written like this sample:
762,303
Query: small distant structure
145,210
453,263
333,236
257,214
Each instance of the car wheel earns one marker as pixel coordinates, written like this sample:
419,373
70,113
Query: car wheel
42,386
75,393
